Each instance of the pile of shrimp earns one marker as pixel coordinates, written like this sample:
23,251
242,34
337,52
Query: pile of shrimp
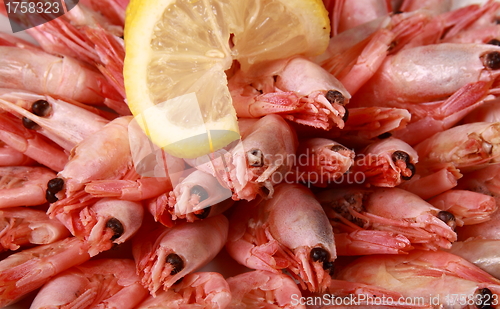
368,176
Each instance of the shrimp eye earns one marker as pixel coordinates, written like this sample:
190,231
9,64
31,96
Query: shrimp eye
40,108
448,218
29,124
176,262
204,213
334,96
55,185
494,42
400,155
116,226
492,60
346,115
200,191
385,135
328,266
411,167
484,296
319,255
51,196
255,158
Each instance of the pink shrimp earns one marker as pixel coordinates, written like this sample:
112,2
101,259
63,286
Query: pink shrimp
106,283
425,275
468,207
484,180
386,163
481,30
86,35
486,230
365,124
103,223
355,55
103,157
31,144
261,160
163,255
349,14
366,242
420,84
296,88
263,289
11,157
198,196
427,186
52,117
487,112
347,294
21,226
42,73
27,270
261,237
466,147
23,185
196,290
113,10
436,7
481,252
425,226
321,161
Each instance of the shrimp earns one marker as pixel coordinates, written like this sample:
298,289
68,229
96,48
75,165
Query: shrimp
52,117
261,237
427,186
484,180
360,295
425,274
355,55
418,79
163,256
296,88
198,196
11,157
366,124
486,230
31,144
365,242
264,289
86,35
104,223
325,161
466,147
23,185
468,207
42,73
105,158
487,112
21,226
261,160
481,252
196,290
349,14
481,30
425,226
27,270
106,283
386,163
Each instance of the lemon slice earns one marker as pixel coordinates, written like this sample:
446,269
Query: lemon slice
177,52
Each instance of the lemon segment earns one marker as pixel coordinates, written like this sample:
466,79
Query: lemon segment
178,50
